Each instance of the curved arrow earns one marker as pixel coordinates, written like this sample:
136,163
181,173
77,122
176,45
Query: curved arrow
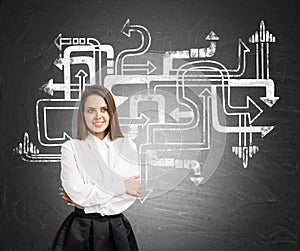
219,69
234,73
263,130
41,122
240,70
269,85
211,50
144,46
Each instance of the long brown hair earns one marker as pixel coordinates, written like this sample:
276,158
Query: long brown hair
114,130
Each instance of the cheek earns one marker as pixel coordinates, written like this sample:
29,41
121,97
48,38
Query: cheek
88,118
107,117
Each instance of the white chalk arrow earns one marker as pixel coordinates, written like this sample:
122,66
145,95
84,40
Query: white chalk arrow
269,85
251,109
59,41
49,87
263,130
142,120
197,180
212,36
44,105
177,114
269,101
81,75
257,110
145,195
144,46
211,50
240,70
149,67
126,30
59,62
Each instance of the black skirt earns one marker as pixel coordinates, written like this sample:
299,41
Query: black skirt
94,232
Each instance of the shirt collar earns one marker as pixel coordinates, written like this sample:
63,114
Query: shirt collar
98,141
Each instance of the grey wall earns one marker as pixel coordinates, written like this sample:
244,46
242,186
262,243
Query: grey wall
237,209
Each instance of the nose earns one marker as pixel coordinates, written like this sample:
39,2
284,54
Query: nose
98,113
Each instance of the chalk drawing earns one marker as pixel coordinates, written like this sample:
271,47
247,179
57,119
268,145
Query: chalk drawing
175,110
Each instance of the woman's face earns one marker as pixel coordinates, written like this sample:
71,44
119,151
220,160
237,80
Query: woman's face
96,115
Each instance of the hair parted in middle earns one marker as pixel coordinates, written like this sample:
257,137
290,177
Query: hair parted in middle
114,130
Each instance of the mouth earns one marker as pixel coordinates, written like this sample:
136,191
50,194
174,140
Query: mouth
98,124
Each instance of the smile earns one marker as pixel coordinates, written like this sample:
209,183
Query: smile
98,123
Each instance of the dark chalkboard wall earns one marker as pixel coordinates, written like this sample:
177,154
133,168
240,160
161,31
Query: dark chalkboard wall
237,209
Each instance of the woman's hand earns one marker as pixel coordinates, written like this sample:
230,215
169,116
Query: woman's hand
133,187
67,199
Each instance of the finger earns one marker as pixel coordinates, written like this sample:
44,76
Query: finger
67,199
64,195
79,206
135,177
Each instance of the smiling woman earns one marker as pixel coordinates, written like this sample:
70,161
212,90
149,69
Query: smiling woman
97,105
99,174
96,115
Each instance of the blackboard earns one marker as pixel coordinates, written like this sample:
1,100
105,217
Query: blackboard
236,208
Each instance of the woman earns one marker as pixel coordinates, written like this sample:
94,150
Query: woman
99,174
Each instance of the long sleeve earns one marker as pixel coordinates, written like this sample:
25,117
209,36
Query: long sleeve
82,193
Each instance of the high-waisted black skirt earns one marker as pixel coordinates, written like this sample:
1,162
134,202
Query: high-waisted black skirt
94,232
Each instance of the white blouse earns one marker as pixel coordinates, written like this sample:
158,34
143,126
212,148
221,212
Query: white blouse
84,188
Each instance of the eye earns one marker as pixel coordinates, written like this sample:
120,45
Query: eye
104,109
90,110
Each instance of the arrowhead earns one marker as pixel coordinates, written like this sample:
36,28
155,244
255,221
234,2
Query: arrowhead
212,36
269,101
244,46
81,73
126,28
262,25
265,130
57,41
66,136
147,194
205,93
48,87
59,62
151,67
197,180
144,118
254,110
175,114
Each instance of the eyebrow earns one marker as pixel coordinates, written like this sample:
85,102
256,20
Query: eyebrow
96,106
